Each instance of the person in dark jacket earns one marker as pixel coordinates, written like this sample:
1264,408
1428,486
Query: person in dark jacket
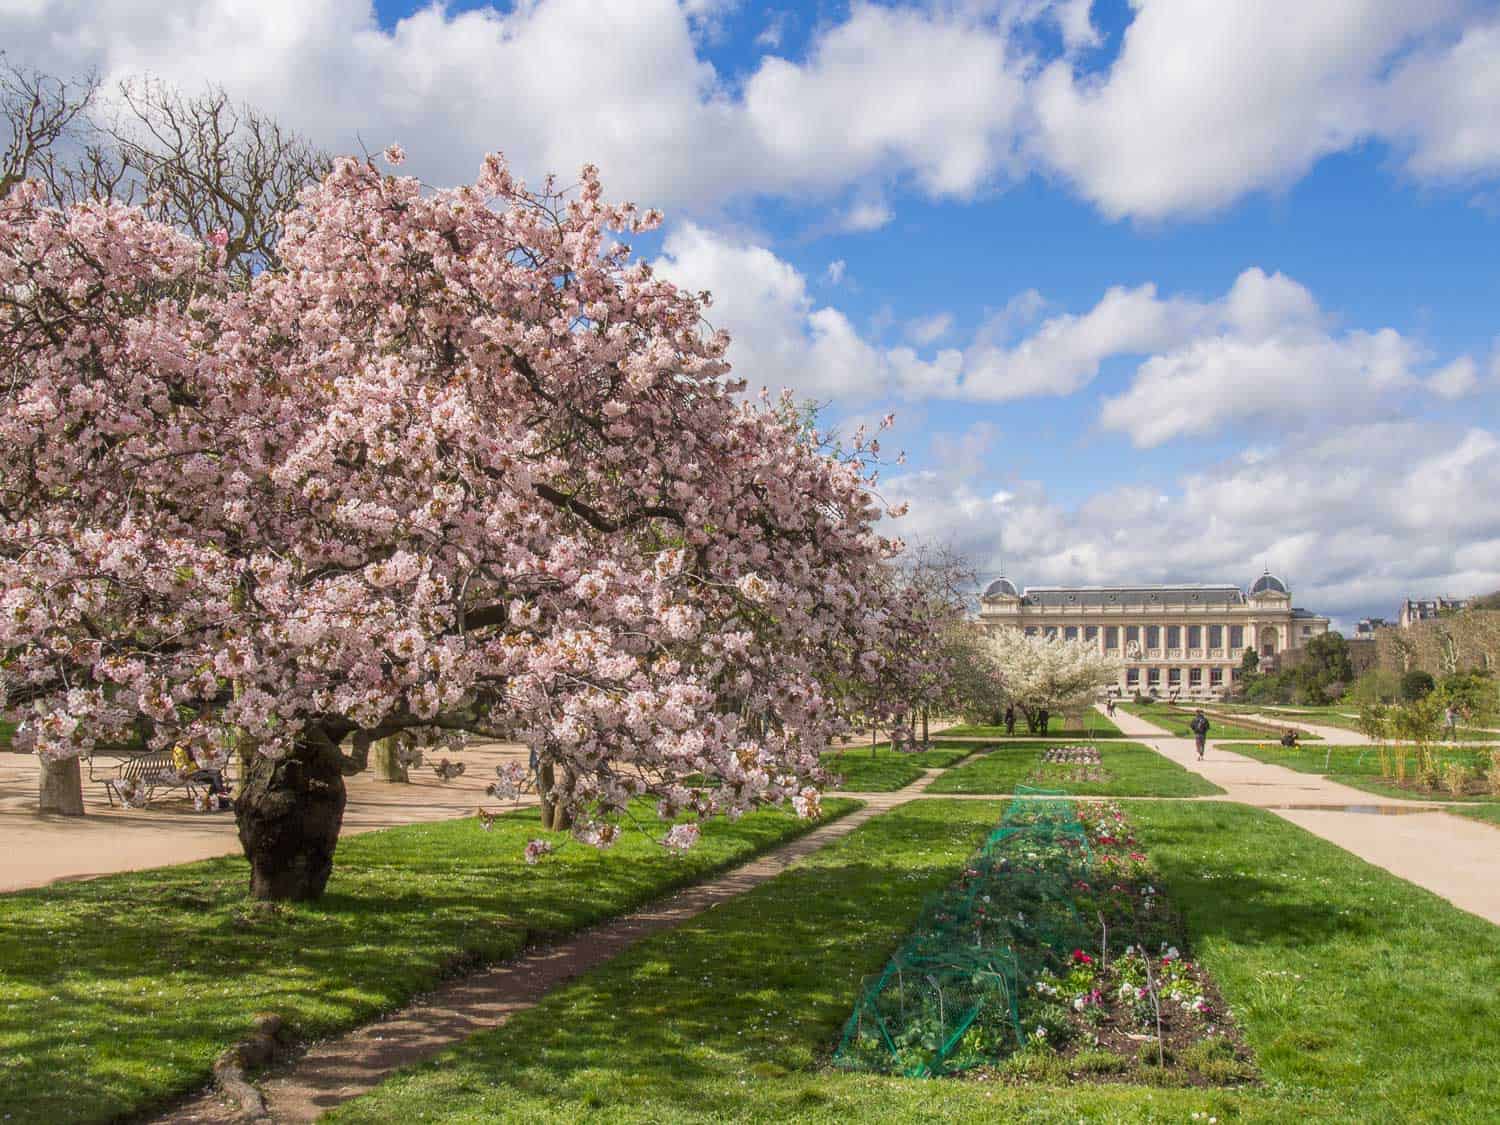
1010,718
1199,727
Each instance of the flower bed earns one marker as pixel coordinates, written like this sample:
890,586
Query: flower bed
1055,951
1061,764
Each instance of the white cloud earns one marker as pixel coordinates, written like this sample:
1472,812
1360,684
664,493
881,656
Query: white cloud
1208,102
1205,102
1457,379
1065,351
1445,102
927,330
1355,519
1263,354
868,214
782,337
775,30
835,272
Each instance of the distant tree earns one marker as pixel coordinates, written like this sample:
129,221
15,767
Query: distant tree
1249,664
1472,694
1050,673
201,163
1416,684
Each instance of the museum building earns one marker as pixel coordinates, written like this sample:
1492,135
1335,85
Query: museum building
1172,640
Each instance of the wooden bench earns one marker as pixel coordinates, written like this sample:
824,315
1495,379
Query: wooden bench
152,772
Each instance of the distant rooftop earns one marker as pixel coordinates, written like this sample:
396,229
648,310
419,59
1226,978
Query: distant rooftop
1179,594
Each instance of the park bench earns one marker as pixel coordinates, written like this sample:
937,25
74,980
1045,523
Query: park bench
149,773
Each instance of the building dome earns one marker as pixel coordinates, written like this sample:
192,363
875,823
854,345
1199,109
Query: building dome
1268,583
1002,587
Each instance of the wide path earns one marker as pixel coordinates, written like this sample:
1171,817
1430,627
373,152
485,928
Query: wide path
339,1069
1452,856
104,841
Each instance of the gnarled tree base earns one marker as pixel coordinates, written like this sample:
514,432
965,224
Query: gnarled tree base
289,812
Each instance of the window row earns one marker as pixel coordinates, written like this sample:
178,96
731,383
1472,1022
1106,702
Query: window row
1216,677
1151,634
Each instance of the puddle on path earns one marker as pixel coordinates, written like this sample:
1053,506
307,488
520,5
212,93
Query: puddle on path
1368,810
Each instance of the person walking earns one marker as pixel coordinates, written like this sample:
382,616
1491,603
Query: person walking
1199,727
1010,719
1109,707
1450,720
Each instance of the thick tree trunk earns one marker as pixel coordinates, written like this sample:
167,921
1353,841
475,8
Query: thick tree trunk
289,813
60,788
384,763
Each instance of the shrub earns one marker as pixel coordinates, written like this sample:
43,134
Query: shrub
1456,777
1416,684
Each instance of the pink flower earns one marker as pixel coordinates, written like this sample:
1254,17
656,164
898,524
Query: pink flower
536,849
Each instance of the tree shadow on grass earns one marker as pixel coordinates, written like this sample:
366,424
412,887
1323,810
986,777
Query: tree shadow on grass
132,983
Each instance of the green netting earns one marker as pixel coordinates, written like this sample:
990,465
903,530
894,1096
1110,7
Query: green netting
949,997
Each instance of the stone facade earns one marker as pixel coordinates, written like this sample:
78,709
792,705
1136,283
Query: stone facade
1187,641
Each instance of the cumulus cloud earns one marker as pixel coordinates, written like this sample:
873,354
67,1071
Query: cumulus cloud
1207,102
946,99
1356,519
782,336
1065,351
1264,352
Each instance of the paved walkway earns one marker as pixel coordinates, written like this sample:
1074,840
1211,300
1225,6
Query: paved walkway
1452,856
42,849
340,1069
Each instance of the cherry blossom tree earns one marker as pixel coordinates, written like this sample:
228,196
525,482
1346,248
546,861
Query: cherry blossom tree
1049,673
459,464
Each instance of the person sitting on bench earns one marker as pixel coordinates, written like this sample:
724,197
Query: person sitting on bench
187,765
1289,738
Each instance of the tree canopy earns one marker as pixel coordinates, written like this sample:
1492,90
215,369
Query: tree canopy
458,464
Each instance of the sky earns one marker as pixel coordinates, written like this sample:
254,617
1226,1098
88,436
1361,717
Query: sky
1158,290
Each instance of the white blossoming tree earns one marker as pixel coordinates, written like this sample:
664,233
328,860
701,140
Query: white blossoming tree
1049,673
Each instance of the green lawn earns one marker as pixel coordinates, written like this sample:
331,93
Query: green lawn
1488,813
117,993
1094,725
1357,766
1365,998
1346,718
1174,720
1138,771
885,772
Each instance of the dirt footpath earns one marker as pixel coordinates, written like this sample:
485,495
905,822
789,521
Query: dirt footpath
43,849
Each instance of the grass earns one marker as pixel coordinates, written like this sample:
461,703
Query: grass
1366,999
1358,766
117,993
1345,717
884,771
1138,771
1490,814
1094,725
1175,721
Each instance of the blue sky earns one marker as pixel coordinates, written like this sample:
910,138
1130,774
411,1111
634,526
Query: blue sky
1160,291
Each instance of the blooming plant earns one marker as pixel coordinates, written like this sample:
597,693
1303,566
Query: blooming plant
458,465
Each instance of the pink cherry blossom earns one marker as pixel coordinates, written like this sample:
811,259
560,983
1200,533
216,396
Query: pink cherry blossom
460,465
